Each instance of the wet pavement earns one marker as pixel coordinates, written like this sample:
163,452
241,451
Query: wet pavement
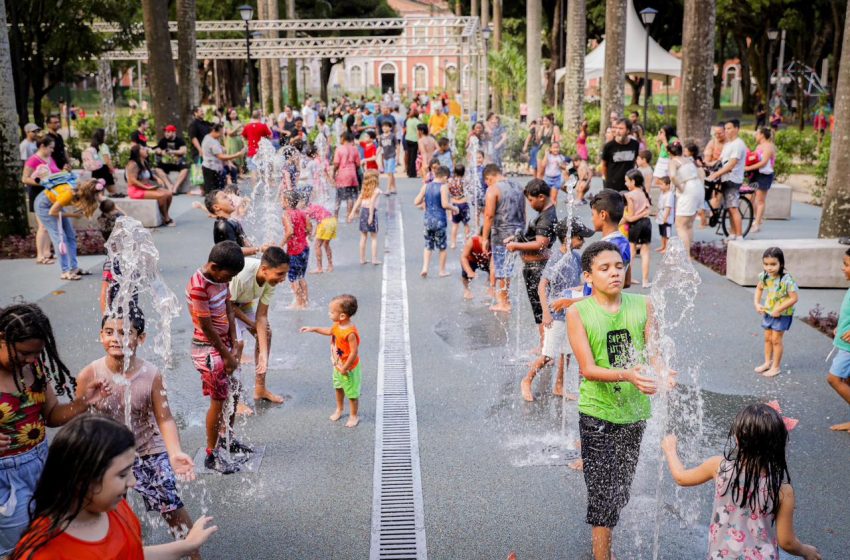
493,466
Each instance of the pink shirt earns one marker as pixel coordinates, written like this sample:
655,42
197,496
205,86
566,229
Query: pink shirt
35,160
346,158
317,213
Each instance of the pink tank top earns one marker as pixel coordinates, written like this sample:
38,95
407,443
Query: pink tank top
297,242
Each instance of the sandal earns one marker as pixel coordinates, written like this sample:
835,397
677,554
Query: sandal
45,260
70,276
81,272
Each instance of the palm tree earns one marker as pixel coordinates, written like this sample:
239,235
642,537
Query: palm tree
274,63
574,78
13,216
507,70
497,45
533,90
187,64
292,72
613,80
695,107
835,219
160,63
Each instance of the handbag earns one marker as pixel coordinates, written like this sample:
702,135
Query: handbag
196,174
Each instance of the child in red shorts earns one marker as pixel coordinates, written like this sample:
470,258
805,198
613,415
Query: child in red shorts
213,352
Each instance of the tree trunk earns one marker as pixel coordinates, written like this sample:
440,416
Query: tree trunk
836,47
107,99
615,61
695,105
274,63
718,79
13,212
533,94
485,13
555,50
497,46
574,79
474,8
21,77
746,81
265,65
636,85
835,219
291,68
324,78
458,9
187,62
163,85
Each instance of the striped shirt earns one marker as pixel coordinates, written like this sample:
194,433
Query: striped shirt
208,299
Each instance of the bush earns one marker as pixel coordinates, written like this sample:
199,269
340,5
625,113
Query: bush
802,146
824,323
712,255
89,242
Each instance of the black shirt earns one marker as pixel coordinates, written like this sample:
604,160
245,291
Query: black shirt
197,130
173,145
137,137
619,158
385,118
59,155
228,229
544,225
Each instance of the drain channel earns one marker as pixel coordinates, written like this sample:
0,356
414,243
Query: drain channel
398,520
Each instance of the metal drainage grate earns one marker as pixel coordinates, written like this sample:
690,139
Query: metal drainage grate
398,520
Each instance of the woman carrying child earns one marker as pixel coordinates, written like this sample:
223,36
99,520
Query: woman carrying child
367,202
777,311
638,204
690,192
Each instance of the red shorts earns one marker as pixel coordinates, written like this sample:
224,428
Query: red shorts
215,383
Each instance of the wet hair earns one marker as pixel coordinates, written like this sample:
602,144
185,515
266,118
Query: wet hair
26,321
386,124
611,202
537,187
423,128
460,170
45,140
646,155
79,456
135,316
275,257
734,122
775,253
755,449
491,169
443,142
665,179
442,172
227,255
210,200
348,304
592,251
292,198
766,132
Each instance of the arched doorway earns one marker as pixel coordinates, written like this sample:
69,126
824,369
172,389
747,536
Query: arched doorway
452,78
388,77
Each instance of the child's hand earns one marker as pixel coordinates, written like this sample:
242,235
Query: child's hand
644,384
759,309
511,246
305,329
560,304
231,364
183,466
200,533
810,552
668,444
5,442
775,313
547,318
97,391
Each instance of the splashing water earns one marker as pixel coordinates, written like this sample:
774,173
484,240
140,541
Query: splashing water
472,181
263,220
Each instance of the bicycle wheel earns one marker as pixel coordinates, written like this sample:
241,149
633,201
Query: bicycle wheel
725,223
745,207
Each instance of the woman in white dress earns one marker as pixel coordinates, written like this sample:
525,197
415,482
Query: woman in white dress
690,192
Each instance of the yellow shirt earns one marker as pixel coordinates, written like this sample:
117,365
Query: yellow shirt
454,108
63,194
438,123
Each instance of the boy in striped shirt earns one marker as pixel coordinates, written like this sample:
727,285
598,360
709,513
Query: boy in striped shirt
213,354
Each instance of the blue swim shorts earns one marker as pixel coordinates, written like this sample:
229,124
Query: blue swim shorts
502,262
781,324
840,364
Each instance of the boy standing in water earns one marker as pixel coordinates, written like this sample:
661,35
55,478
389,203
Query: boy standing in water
345,355
839,373
608,332
157,440
213,341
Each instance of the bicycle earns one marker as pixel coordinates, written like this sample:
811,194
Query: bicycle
721,218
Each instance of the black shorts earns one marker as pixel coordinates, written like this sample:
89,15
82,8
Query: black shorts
664,230
462,215
610,453
33,192
169,167
474,265
104,173
640,232
531,273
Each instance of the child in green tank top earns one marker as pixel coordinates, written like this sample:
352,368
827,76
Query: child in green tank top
608,333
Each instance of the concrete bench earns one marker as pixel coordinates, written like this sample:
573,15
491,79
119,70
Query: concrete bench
146,211
778,203
814,263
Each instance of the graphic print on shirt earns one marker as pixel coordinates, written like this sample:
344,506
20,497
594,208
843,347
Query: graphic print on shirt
619,345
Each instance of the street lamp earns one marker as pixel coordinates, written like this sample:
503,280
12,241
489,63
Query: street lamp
246,12
485,34
647,16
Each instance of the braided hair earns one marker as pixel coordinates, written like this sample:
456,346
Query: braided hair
26,321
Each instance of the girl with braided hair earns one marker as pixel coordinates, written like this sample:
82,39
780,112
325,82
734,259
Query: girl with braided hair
28,405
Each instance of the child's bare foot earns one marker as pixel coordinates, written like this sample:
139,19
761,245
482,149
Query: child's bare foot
659,250
452,246
491,292
843,427
243,409
424,274
444,274
317,271
266,395
363,262
577,465
525,387
352,421
501,307
772,372
467,294
336,415
762,368
330,268
559,392
376,263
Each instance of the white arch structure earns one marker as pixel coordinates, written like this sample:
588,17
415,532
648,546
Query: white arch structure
462,39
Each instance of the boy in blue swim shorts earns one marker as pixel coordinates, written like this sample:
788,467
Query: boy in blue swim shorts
839,372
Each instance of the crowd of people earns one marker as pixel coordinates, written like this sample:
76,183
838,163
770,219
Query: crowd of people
71,497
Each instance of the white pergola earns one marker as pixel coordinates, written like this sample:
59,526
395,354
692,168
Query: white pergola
460,37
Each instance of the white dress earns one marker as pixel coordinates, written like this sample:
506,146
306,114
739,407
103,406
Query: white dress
689,199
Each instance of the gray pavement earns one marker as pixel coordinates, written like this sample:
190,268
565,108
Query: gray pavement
493,469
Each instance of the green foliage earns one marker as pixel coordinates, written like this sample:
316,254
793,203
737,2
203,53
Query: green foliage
796,144
822,170
507,69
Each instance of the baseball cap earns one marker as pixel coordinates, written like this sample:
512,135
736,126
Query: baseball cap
577,229
30,127
171,128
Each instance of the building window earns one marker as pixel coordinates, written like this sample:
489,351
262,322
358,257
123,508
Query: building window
420,77
451,77
356,76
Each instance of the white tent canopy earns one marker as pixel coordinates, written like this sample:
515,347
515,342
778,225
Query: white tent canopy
661,62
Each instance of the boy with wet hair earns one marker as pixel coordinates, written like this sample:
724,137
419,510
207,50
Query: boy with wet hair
606,209
608,332
213,345
226,227
388,154
345,355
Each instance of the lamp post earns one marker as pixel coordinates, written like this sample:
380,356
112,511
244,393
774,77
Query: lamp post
647,16
772,35
485,33
246,12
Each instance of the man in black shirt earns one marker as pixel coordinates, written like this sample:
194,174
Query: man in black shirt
140,135
618,156
171,152
197,130
54,123
385,116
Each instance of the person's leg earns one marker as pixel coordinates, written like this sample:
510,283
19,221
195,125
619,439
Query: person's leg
353,417
213,423
305,294
337,204
760,201
340,402
51,224
71,244
735,218
453,235
163,176
363,236
599,462
163,200
467,293
330,255
182,175
375,248
768,352
42,241
644,262
443,255
426,261
179,522
318,250
684,232
525,384
778,348
392,187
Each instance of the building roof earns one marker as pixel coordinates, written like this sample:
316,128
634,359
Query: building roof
421,7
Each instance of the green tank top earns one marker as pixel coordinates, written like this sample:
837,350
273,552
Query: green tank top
617,342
